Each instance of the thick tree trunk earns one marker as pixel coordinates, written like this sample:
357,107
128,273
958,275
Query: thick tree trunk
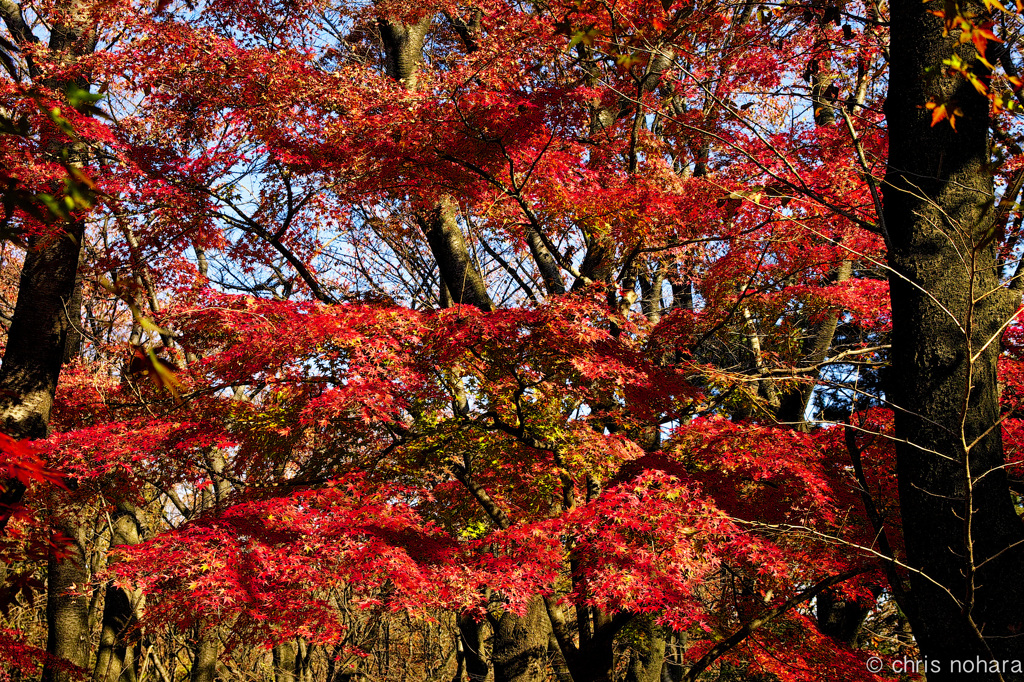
37,342
403,47
520,646
113,661
204,657
67,609
594,661
45,320
464,283
284,662
840,618
959,523
647,655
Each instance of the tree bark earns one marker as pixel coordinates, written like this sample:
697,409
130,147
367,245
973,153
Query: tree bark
67,609
520,648
113,659
284,662
403,47
204,657
37,342
464,283
648,650
959,523
838,617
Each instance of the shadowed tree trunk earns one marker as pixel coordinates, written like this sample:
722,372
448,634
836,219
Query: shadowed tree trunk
471,633
204,657
113,660
838,617
959,523
46,314
67,609
37,343
284,662
520,647
647,655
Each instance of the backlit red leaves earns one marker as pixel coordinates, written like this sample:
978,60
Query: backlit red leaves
21,460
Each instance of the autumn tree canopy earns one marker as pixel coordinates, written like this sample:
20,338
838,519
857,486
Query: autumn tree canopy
596,341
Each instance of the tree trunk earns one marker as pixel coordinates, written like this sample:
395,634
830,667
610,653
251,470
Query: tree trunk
647,656
67,609
284,662
464,283
794,401
47,311
520,646
303,660
403,47
204,657
113,659
471,633
594,661
672,670
959,523
838,617
36,344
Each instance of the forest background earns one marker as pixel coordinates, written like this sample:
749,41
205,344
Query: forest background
583,340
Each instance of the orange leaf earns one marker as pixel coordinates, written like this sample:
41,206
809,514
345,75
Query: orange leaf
938,112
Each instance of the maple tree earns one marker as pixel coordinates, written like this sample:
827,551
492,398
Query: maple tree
386,340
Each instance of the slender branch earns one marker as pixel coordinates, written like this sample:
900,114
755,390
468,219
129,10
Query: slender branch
751,626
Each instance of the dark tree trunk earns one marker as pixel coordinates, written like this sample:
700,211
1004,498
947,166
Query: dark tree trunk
673,667
840,618
960,529
46,314
42,336
45,319
595,660
647,655
460,276
204,657
471,633
520,647
113,660
67,609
